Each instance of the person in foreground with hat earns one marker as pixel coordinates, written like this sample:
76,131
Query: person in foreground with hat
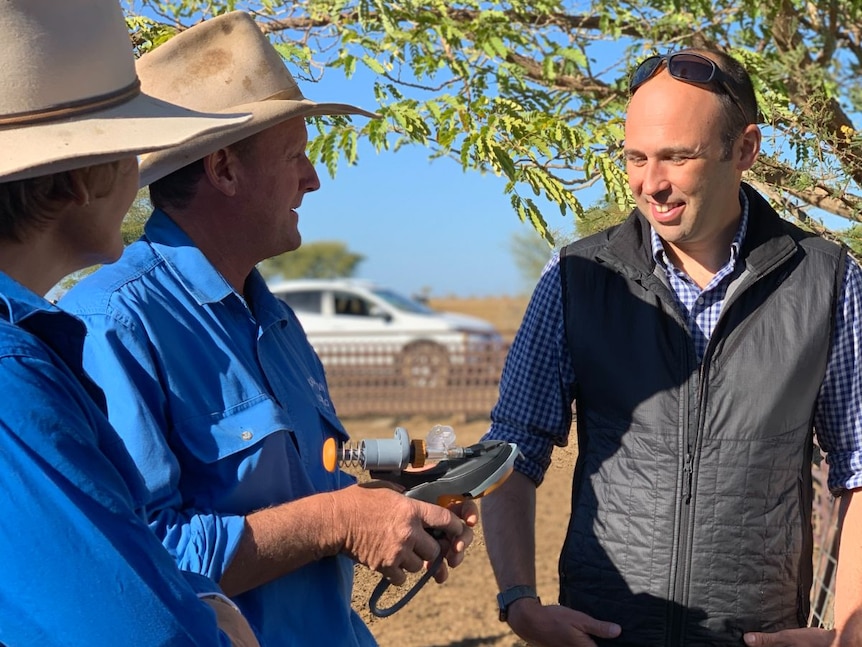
79,564
210,379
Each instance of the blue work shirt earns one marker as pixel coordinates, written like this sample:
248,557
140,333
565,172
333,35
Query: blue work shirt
223,405
78,564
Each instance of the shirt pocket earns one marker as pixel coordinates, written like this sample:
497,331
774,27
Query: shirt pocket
244,458
239,429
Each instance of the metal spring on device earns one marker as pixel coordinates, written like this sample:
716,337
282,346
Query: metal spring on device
352,455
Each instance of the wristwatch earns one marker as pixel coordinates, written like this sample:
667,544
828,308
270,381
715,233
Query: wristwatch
505,598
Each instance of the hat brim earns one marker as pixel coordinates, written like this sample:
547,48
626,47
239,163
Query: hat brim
141,125
265,114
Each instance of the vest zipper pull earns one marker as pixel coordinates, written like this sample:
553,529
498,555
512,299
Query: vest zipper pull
688,472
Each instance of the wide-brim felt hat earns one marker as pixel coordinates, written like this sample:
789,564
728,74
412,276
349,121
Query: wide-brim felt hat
224,64
70,96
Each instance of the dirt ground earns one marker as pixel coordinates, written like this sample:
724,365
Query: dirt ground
462,612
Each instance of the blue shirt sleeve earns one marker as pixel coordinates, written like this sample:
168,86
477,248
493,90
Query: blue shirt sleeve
534,409
79,566
838,417
122,362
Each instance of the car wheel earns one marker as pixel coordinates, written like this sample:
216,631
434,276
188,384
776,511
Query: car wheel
424,364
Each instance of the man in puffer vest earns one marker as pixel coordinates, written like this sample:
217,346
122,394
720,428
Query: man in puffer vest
702,341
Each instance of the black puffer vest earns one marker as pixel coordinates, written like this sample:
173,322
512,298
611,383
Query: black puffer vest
691,500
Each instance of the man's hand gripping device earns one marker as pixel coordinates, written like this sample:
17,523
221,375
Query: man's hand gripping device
444,474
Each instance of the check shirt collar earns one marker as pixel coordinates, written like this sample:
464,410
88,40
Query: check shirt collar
702,308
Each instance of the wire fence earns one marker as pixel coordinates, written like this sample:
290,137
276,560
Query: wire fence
429,380
825,516
381,381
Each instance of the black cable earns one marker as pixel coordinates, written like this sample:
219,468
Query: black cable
397,606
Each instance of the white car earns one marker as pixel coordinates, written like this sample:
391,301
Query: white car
356,322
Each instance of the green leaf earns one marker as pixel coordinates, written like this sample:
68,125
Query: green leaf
373,65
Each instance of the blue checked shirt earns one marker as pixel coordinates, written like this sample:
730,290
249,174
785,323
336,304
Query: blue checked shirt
537,386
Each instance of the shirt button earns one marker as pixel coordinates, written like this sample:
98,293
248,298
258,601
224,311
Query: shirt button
246,435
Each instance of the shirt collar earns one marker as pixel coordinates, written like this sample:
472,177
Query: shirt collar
17,303
186,261
197,275
265,305
62,332
660,256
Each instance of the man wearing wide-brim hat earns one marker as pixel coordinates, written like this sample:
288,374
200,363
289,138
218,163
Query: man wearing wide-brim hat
211,380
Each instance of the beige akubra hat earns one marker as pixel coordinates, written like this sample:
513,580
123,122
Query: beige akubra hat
224,64
69,94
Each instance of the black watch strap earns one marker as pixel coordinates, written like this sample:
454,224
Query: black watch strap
505,598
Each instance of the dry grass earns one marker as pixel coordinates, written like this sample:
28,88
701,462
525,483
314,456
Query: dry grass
504,312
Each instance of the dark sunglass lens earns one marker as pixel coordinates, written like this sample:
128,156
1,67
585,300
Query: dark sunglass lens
691,67
644,71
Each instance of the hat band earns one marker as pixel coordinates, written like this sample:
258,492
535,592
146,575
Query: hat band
75,108
286,95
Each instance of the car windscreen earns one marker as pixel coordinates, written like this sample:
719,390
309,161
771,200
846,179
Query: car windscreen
403,303
303,300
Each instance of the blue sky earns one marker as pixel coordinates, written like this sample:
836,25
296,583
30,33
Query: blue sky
422,225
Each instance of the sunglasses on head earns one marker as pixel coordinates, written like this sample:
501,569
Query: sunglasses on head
688,67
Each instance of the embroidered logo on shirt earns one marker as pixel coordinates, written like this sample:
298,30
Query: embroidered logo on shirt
320,392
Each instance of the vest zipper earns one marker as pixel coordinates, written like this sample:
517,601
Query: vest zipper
690,441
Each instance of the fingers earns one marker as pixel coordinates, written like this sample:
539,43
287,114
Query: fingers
394,574
457,547
600,628
760,640
458,531
804,637
468,511
426,546
411,563
389,532
594,627
442,573
443,519
552,625
418,551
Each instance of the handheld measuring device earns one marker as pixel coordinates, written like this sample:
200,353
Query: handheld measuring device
443,474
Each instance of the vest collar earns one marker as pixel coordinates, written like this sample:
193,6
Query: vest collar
767,242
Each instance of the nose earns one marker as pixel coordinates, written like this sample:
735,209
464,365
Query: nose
311,181
653,178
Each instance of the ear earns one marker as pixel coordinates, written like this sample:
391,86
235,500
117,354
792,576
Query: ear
750,147
79,187
221,170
